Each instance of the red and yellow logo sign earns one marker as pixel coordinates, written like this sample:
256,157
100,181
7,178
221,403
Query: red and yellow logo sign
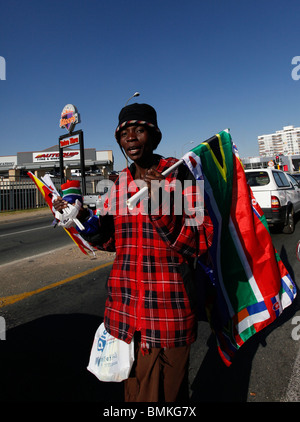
54,156
69,117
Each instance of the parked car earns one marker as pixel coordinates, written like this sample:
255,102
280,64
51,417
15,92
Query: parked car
53,173
278,195
95,202
92,201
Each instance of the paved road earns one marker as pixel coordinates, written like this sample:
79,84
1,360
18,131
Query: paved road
50,333
266,367
26,237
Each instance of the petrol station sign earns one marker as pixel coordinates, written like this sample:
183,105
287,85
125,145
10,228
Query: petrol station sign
68,120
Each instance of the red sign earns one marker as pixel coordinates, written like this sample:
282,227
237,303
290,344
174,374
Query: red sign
66,142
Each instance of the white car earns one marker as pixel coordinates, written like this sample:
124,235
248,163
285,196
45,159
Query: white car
278,195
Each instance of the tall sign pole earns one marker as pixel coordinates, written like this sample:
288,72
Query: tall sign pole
69,119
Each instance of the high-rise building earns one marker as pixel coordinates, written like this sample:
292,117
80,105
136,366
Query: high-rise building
286,141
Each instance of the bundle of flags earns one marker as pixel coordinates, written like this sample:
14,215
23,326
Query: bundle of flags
71,191
250,284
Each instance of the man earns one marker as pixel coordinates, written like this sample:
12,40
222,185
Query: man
149,288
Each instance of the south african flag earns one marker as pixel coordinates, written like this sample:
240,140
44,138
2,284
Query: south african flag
250,284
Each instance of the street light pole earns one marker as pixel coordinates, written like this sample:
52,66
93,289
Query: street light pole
190,142
136,94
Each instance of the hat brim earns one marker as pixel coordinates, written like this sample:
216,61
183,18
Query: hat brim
138,123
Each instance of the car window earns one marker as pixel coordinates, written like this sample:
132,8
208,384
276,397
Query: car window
293,180
257,178
297,177
281,179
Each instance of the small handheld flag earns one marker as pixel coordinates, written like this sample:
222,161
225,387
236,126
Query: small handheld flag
49,193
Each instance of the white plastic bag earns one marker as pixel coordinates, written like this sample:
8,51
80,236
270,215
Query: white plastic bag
111,359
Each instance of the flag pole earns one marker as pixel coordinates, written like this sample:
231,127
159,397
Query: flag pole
131,202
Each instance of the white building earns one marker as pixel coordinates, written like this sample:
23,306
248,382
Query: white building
286,142
16,166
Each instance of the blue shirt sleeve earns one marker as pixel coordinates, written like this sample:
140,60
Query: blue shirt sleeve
91,226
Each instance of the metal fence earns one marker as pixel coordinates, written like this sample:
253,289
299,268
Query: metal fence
19,195
23,194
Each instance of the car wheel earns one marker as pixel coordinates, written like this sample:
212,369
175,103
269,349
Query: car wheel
290,224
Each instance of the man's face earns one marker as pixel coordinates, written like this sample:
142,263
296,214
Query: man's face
136,142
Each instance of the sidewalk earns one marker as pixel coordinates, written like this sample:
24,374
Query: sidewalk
10,216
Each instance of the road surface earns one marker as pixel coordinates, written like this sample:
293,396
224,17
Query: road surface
25,237
52,304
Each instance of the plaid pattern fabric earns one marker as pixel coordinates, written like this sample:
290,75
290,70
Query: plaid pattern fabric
146,292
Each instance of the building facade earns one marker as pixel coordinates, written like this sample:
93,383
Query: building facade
285,141
47,161
17,191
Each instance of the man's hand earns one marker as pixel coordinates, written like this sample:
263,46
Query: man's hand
67,213
59,204
150,176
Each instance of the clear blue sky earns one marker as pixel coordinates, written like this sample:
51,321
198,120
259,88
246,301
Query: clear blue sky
205,65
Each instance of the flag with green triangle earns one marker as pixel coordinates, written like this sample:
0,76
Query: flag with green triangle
250,284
